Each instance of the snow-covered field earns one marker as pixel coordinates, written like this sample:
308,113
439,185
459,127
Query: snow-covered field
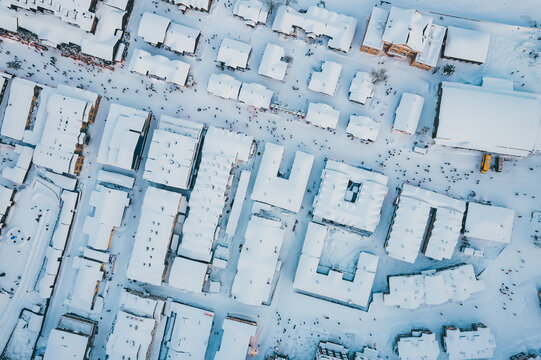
294,323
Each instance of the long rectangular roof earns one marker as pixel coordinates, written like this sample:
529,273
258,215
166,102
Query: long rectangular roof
493,118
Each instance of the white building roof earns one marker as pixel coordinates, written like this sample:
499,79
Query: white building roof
157,217
258,261
131,337
271,64
235,340
315,22
252,11
284,192
466,44
172,152
477,343
224,86
21,92
363,127
174,71
221,149
488,222
407,27
255,95
433,287
152,28
138,305
109,205
325,81
333,286
431,52
322,115
89,274
408,113
234,53
65,345
411,217
361,207
124,129
5,199
189,334
420,346
375,28
18,172
361,88
180,38
188,275
492,118
65,112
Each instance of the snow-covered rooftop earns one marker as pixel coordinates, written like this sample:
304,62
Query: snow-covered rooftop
433,287
109,205
416,208
421,345
21,93
152,28
234,53
271,64
361,88
477,343
350,196
252,11
325,81
180,38
18,172
125,129
156,221
363,127
188,275
235,340
221,149
466,44
174,71
255,95
489,222
258,261
407,27
322,115
189,332
333,286
375,28
492,117
203,5
317,21
89,274
65,345
224,86
431,52
408,113
172,152
286,192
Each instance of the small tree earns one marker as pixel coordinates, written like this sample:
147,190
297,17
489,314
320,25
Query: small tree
379,75
271,5
448,70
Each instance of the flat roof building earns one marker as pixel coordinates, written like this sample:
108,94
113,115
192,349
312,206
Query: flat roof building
493,118
123,137
234,53
89,275
325,81
173,150
283,191
363,127
477,343
109,206
252,11
224,86
236,338
333,286
258,261
350,196
256,95
322,115
63,344
361,88
158,66
422,344
156,222
489,223
408,113
466,44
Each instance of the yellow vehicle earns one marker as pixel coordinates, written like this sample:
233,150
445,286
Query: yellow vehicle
485,164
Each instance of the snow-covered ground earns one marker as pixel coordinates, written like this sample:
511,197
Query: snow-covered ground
294,323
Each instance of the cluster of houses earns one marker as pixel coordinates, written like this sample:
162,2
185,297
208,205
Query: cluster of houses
84,30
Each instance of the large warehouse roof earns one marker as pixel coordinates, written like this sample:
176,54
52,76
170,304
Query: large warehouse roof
492,117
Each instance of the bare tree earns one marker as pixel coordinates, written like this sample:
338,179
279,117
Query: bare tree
378,75
272,4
